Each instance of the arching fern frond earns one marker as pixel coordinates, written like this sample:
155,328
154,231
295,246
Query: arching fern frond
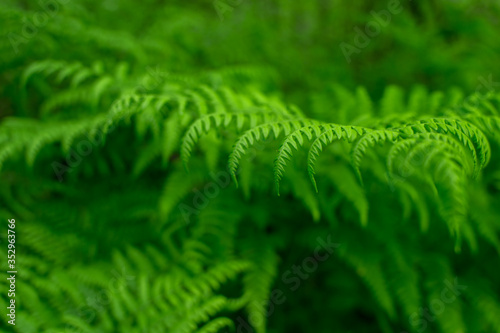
468,134
216,325
204,124
426,142
258,134
323,133
62,68
331,133
294,140
368,140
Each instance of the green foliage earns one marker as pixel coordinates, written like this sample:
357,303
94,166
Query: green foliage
168,170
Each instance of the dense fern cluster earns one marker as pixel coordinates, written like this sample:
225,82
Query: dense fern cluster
170,171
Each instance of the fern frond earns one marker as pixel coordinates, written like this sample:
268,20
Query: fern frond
257,285
216,325
258,134
216,120
331,133
304,192
367,140
323,133
421,146
294,140
345,183
439,277
47,68
392,101
178,184
370,271
468,134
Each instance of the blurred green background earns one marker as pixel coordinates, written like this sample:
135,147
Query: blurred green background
440,44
